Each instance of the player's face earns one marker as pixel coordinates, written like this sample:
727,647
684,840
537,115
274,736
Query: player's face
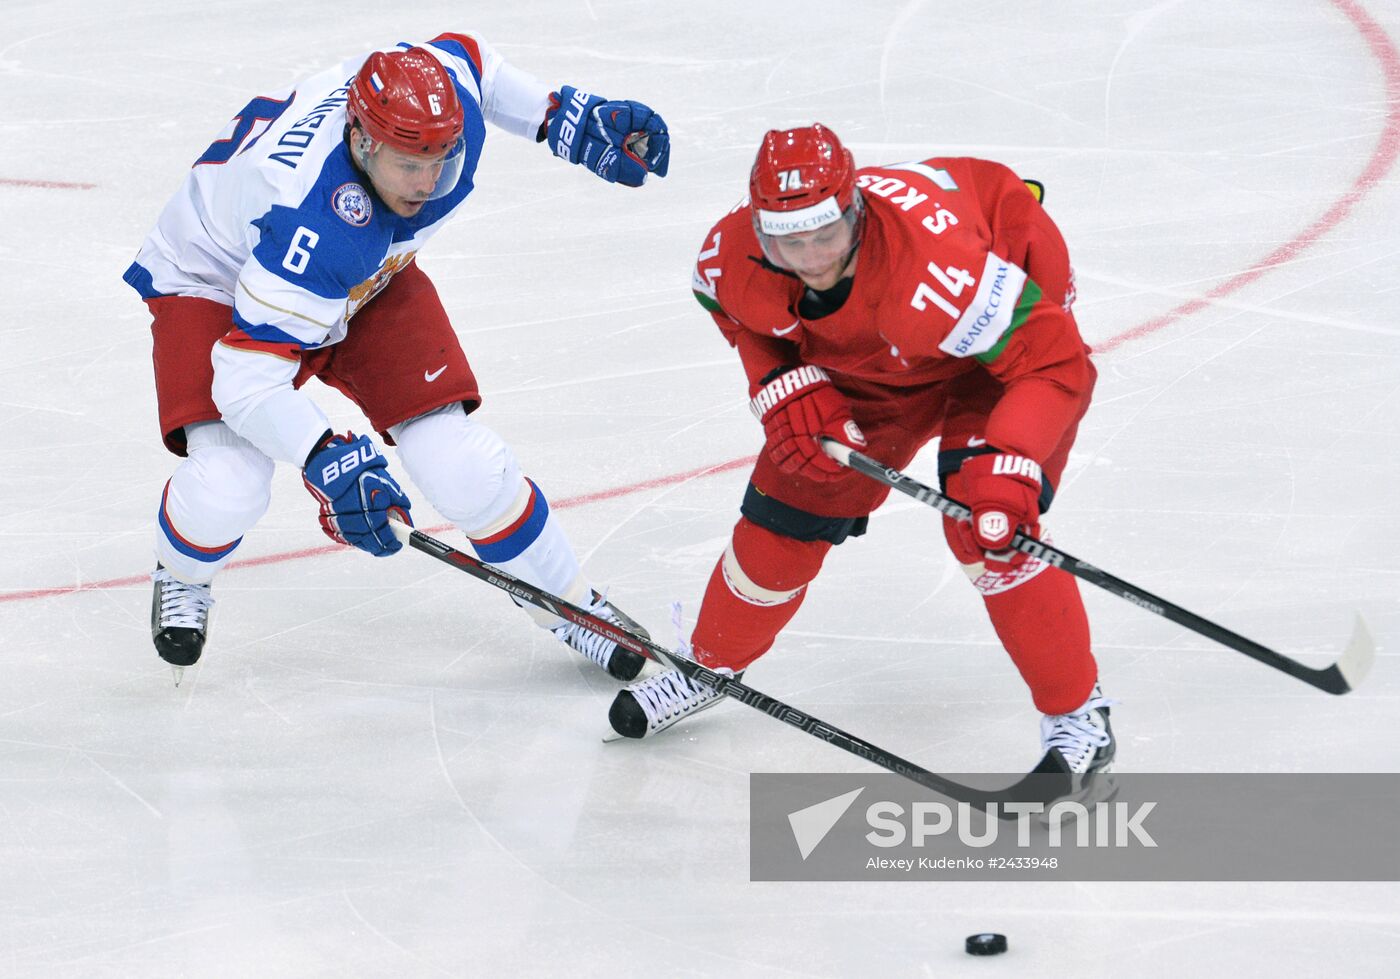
402,180
818,257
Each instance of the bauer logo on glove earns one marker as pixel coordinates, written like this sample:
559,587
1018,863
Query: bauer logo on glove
350,461
621,141
350,479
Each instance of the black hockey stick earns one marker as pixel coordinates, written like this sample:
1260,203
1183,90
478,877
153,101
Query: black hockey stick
1343,676
1048,781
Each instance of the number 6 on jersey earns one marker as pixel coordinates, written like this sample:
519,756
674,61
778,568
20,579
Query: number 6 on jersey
297,257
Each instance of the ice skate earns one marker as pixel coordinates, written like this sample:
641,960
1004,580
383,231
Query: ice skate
621,663
654,704
179,620
1084,739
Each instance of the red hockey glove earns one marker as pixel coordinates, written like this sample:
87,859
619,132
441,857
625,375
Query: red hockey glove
1003,492
798,406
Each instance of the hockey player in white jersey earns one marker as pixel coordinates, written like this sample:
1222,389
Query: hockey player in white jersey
288,253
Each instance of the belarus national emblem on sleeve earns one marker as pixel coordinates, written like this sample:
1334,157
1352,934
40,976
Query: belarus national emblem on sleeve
352,204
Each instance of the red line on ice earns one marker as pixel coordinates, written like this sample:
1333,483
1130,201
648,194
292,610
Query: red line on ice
1379,165
283,556
44,184
1382,160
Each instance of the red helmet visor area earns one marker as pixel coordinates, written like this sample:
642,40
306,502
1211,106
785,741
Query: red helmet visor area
412,176
815,237
803,180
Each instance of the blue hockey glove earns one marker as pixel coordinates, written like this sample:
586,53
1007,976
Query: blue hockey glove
619,141
350,478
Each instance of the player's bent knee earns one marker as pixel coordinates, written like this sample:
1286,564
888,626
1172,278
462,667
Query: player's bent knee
987,582
213,498
463,468
746,588
967,555
991,583
765,568
222,489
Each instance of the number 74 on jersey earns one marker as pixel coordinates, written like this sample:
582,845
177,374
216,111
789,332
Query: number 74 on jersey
953,280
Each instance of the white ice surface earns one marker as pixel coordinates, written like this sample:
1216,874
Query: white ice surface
382,769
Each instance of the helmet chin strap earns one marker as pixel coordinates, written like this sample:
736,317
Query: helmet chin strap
851,254
857,233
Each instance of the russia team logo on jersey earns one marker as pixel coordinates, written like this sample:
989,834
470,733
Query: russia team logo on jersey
352,204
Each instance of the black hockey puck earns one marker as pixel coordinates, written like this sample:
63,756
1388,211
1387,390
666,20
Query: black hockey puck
986,943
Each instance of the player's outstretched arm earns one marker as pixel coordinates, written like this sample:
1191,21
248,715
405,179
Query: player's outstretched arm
620,141
350,478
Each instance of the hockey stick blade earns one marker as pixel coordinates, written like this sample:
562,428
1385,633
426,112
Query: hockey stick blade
1341,677
1049,780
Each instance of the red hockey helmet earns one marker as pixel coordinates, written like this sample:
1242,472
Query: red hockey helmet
407,100
803,179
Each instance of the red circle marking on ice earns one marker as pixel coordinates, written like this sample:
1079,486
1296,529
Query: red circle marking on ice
1387,148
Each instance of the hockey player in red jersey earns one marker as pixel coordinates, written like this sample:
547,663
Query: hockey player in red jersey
884,307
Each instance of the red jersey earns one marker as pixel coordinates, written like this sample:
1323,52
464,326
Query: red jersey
960,269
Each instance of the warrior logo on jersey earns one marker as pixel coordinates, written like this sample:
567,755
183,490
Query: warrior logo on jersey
352,204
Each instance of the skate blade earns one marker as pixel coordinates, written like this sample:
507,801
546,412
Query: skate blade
1088,791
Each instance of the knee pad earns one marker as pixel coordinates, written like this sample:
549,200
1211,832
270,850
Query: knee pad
470,476
466,471
991,582
998,582
764,568
986,582
215,496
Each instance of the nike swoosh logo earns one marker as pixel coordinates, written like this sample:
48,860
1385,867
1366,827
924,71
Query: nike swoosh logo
784,332
431,376
974,442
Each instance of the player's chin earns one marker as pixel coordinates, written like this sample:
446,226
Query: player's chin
824,279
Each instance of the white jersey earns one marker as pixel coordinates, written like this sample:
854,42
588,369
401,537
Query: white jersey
276,222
